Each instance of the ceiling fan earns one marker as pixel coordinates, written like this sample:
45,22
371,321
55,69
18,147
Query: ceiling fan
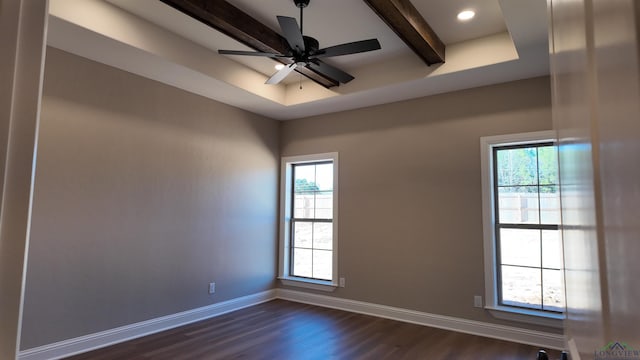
305,50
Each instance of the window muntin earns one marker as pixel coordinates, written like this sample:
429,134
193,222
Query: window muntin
312,221
529,266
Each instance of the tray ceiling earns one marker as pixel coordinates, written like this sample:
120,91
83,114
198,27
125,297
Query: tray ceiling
507,40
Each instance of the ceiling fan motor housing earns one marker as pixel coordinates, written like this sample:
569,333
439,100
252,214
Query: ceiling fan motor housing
301,3
311,45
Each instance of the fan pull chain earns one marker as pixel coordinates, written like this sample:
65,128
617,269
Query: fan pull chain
300,77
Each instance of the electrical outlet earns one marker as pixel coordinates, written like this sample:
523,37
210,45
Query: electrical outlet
477,301
342,281
212,288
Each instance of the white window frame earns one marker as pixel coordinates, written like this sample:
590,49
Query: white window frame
532,316
286,184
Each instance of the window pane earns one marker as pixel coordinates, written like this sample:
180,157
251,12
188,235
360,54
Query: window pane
552,249
548,165
553,290
322,268
302,262
324,176
518,205
517,167
305,178
304,206
521,287
323,236
302,237
324,205
549,205
520,247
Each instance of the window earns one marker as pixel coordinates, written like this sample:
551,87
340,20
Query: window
523,246
308,225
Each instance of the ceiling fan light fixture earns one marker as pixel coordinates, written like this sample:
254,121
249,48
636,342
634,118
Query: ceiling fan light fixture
466,15
279,66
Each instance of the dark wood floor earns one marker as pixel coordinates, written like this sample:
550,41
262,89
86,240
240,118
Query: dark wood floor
286,330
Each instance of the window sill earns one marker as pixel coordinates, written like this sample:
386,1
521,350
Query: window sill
534,317
312,284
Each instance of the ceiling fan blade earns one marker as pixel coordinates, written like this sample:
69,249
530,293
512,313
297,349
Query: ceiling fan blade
249,53
330,71
281,74
348,48
292,33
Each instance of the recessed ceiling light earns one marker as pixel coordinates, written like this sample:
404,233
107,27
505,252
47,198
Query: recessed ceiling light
279,66
466,15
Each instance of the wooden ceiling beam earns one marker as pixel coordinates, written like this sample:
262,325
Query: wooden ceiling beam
405,20
235,23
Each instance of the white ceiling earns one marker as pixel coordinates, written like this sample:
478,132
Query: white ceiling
506,41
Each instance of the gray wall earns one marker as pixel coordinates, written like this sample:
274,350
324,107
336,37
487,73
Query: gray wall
143,195
410,231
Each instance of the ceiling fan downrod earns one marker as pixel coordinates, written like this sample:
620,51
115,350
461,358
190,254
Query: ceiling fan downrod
301,4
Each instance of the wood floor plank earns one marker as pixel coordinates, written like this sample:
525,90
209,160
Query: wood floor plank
281,329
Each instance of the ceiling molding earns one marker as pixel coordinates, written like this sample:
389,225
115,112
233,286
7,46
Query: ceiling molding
243,28
403,18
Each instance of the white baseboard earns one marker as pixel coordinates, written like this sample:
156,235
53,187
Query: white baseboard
104,338
513,334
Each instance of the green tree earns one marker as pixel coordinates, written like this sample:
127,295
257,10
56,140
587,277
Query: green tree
548,163
517,167
528,166
302,185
